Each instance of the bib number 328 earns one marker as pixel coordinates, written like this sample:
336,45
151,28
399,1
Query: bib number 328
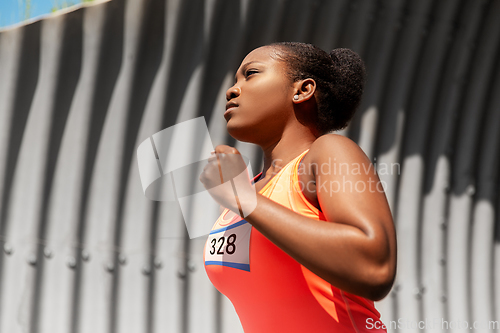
224,245
229,246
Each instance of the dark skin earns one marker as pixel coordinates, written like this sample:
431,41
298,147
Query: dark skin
355,248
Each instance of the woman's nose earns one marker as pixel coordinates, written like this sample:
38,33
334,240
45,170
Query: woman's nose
233,92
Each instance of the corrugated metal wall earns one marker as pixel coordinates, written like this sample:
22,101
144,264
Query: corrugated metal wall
84,251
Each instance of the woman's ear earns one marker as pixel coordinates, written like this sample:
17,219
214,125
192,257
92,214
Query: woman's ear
304,90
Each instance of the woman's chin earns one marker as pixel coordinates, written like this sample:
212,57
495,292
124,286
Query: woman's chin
240,133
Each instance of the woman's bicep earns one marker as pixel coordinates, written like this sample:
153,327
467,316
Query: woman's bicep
350,192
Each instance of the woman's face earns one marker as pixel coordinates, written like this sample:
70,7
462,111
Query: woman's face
260,102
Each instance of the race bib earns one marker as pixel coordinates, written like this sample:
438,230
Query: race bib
230,246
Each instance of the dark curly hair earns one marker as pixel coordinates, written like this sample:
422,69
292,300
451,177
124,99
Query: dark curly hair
339,76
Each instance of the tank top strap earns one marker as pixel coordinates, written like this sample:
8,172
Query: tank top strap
283,176
297,199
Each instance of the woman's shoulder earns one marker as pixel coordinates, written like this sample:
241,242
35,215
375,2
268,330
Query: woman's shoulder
337,146
330,156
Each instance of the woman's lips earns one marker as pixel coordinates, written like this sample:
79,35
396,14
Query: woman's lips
229,110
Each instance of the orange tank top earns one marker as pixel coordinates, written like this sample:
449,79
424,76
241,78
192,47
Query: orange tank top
270,291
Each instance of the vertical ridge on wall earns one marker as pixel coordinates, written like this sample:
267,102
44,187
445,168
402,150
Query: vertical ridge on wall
49,278
104,53
201,299
486,213
68,73
481,241
388,149
483,217
379,46
437,183
464,163
327,27
83,250
130,288
357,25
420,117
23,71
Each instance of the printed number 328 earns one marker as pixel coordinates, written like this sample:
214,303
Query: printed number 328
230,246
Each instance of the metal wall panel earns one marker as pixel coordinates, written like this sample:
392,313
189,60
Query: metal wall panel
83,250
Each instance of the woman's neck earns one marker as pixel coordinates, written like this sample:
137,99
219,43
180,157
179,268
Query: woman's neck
290,145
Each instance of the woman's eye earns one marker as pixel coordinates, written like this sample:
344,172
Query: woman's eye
250,72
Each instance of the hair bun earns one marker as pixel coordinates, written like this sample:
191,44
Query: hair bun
349,75
348,63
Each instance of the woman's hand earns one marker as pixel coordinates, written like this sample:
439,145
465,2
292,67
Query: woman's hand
226,179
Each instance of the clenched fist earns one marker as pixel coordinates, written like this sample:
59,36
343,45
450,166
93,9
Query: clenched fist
227,180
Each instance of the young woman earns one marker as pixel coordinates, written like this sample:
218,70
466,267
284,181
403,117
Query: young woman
317,245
